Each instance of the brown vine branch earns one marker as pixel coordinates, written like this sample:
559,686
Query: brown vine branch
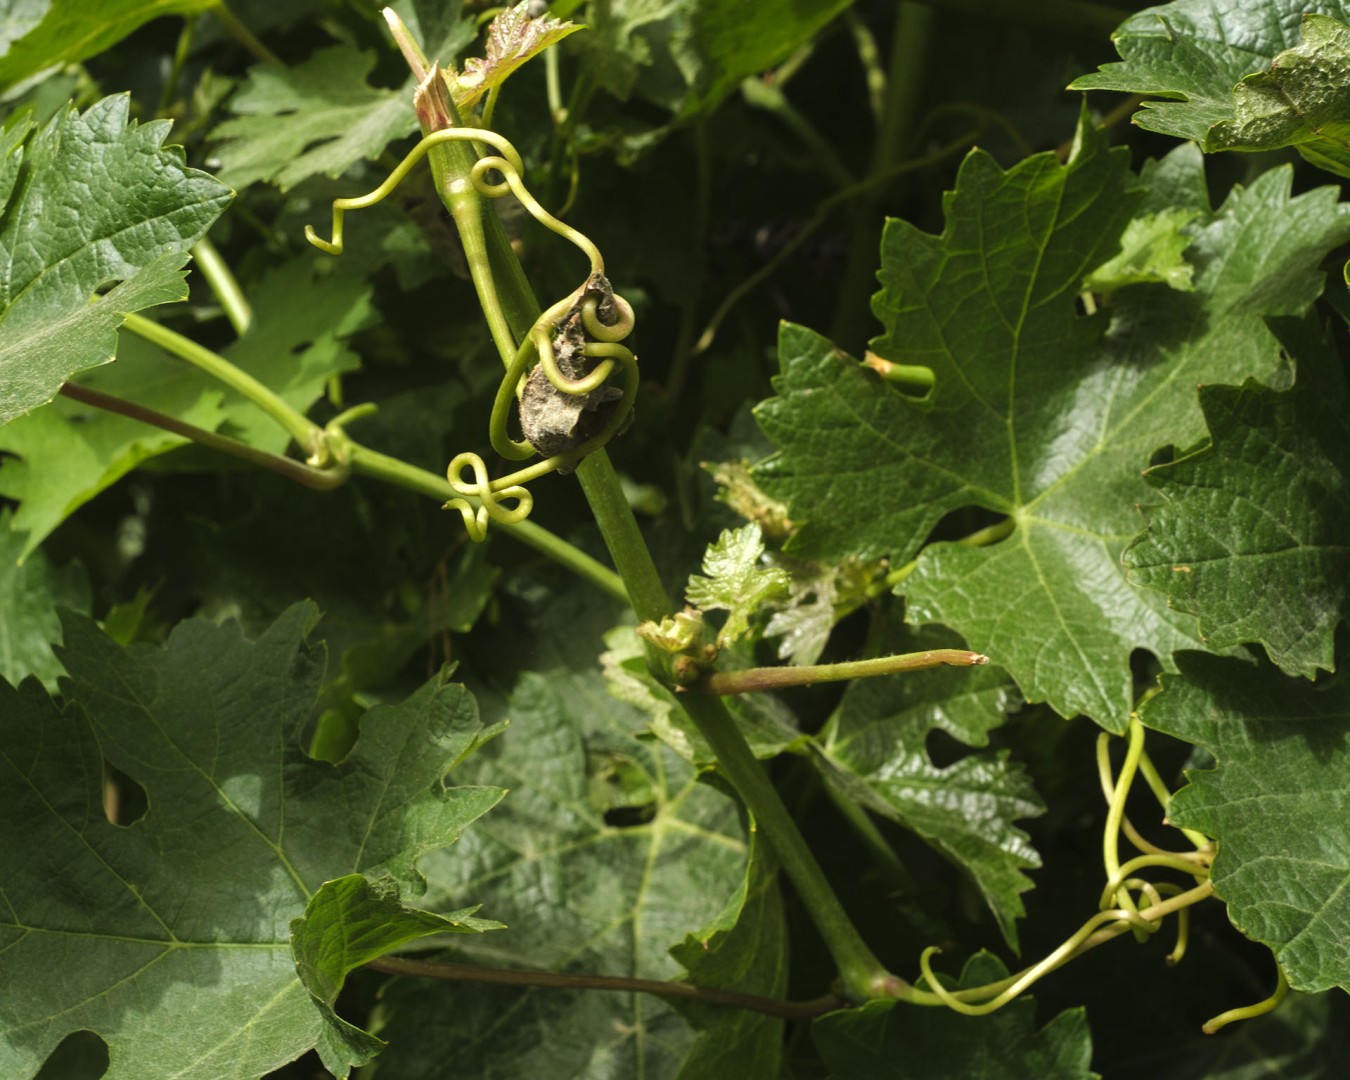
319,479
438,969
777,678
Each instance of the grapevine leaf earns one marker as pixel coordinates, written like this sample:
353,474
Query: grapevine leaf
1252,537
295,343
185,914
735,581
689,54
1038,413
319,117
607,852
1239,75
41,34
875,756
30,592
741,948
890,1040
352,920
1277,803
90,199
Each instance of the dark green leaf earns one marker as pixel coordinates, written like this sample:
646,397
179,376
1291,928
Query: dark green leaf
689,54
887,1040
68,229
607,852
874,754
322,116
1038,413
1253,535
169,938
67,452
1278,804
742,949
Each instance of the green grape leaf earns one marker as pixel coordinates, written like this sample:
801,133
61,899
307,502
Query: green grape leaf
891,1040
156,953
1242,76
30,593
1038,412
321,116
741,948
1152,249
1252,536
874,755
736,581
608,851
67,452
1277,803
352,920
87,200
687,55
41,34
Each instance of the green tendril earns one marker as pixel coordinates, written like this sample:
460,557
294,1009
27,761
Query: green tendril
1248,1011
1128,903
482,500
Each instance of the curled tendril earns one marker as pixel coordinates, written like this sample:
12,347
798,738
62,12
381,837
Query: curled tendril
481,500
1128,903
488,495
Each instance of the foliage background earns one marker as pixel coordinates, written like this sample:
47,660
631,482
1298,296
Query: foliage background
689,180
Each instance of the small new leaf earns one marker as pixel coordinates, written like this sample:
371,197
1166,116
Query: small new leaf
1151,249
514,37
735,581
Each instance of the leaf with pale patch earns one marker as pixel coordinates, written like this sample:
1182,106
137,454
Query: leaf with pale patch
173,932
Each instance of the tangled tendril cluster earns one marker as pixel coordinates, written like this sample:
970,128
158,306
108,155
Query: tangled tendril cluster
575,345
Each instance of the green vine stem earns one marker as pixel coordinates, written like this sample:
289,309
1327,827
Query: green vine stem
434,969
862,975
749,680
352,457
307,435
223,284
